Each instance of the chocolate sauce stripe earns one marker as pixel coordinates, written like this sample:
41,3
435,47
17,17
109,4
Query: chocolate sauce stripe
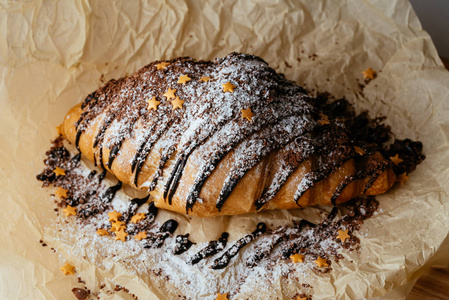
266,196
258,256
282,236
148,146
295,247
213,248
231,182
142,146
122,136
285,171
341,187
173,180
224,260
375,175
320,175
218,155
77,139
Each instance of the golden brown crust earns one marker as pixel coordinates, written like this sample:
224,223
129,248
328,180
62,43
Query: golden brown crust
246,192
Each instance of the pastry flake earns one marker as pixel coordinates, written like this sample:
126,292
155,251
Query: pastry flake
205,79
137,217
296,258
121,235
153,103
59,129
170,93
222,296
359,150
113,216
369,74
69,211
396,160
61,193
59,172
102,232
403,178
141,235
162,65
68,269
247,114
228,87
177,103
343,235
321,262
183,79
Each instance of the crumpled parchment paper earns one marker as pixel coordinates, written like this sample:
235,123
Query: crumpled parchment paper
53,53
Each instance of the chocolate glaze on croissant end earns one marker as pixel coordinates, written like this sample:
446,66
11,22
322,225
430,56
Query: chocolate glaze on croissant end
207,158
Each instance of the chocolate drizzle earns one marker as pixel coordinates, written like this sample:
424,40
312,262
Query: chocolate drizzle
133,206
110,192
285,119
182,244
292,247
213,248
158,239
224,260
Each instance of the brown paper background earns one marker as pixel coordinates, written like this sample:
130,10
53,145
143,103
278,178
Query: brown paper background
53,53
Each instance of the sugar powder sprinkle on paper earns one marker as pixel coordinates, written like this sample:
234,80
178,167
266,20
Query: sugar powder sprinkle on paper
150,250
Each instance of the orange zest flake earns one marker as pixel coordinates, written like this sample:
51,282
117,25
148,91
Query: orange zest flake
137,217
403,178
247,114
102,232
177,103
296,258
153,103
321,262
324,120
343,235
58,171
170,94
183,79
222,296
228,87
113,216
69,211
61,193
141,235
118,225
396,160
162,65
359,150
68,269
369,74
121,235
205,79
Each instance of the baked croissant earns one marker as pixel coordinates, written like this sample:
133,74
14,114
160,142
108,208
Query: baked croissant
225,137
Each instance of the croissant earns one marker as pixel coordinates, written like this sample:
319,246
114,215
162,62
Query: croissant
226,137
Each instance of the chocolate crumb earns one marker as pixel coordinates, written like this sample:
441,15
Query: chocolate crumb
80,294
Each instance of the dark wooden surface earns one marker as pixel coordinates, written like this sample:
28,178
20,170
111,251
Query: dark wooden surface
433,284
445,62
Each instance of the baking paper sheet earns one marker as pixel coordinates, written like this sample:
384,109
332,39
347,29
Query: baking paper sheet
53,53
